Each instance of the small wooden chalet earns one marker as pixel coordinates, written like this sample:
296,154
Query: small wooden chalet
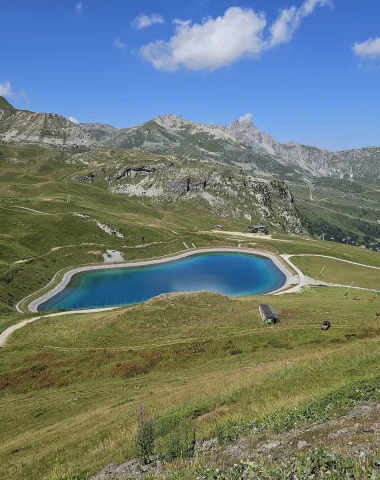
268,314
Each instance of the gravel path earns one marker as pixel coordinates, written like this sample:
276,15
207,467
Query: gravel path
327,256
31,210
8,332
306,281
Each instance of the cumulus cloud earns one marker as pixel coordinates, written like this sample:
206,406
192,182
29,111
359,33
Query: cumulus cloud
221,41
369,49
289,20
247,116
6,90
144,21
73,120
78,8
213,44
119,44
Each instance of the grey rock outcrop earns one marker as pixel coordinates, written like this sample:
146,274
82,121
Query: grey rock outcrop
42,128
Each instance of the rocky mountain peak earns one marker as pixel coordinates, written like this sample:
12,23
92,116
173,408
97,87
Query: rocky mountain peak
245,124
245,131
170,121
243,121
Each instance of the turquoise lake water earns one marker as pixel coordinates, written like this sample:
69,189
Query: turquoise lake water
232,274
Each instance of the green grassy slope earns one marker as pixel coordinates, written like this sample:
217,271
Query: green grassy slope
72,384
335,271
5,105
40,233
341,209
40,230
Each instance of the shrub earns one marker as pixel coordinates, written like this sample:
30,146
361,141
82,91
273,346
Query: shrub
181,445
145,436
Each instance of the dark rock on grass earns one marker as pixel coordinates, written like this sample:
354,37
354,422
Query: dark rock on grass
132,469
205,446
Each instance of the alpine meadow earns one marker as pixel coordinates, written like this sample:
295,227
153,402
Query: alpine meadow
190,300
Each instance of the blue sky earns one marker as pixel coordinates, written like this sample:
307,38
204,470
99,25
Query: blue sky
307,71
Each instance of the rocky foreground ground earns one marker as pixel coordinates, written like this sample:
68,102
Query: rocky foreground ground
341,448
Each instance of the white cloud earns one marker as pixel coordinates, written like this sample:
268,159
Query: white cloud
119,44
247,116
368,49
78,8
144,21
6,90
73,120
210,45
289,20
218,42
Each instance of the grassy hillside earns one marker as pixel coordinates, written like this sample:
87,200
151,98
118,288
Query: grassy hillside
336,271
341,209
41,197
70,386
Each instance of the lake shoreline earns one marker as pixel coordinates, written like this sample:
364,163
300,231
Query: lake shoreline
35,304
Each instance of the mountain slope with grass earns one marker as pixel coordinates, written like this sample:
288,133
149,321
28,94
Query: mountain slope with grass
186,373
58,209
244,144
228,376
5,105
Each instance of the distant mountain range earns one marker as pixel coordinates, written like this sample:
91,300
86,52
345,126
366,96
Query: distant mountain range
242,144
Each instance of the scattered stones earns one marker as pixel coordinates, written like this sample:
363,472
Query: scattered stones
132,469
113,256
357,411
269,446
342,433
205,446
85,178
301,444
109,230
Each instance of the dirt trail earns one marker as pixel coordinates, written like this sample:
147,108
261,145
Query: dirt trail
327,256
8,332
31,210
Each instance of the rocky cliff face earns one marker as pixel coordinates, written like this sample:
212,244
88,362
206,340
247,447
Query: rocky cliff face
360,163
175,183
42,128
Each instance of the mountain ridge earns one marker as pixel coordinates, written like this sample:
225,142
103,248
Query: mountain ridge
241,144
